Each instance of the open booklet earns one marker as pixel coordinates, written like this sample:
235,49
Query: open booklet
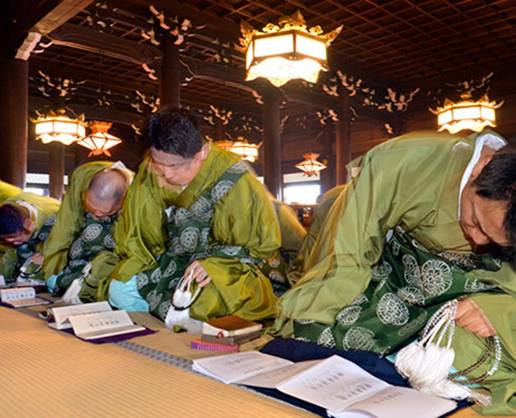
21,297
336,384
91,321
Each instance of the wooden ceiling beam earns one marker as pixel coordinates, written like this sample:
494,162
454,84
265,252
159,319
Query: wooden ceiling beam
90,40
86,39
93,112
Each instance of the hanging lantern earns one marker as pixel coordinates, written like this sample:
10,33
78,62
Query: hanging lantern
57,126
246,150
100,141
310,165
225,144
286,51
466,114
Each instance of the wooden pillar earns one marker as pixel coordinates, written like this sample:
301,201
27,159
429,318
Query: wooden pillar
271,147
328,175
56,169
343,138
14,105
170,75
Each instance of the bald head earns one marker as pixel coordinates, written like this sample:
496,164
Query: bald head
106,193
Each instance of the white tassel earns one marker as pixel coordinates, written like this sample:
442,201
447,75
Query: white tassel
426,364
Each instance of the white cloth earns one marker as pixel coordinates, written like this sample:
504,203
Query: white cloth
489,140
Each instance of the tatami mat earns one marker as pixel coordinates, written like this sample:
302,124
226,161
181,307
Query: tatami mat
46,373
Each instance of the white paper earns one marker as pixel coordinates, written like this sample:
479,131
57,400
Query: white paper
398,402
63,313
232,368
103,324
273,378
334,384
21,297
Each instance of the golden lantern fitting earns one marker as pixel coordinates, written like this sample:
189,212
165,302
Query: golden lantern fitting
242,147
100,141
289,50
59,127
466,114
310,165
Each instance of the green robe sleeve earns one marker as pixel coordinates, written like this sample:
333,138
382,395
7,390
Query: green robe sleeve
245,217
7,190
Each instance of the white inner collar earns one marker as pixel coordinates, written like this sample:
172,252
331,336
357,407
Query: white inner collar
489,140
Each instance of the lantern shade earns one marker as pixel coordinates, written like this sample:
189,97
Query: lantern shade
100,141
286,52
466,114
310,165
59,127
241,147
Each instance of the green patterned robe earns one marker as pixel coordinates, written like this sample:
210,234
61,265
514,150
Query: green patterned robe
243,218
78,239
411,182
14,258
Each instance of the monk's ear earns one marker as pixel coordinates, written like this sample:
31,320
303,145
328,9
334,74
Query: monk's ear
28,224
205,150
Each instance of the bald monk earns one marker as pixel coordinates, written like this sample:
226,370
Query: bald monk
25,222
81,247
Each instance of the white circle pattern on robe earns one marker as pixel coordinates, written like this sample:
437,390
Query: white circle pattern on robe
304,321
155,276
360,300
381,271
50,220
326,338
200,206
163,309
220,189
205,236
92,232
76,248
349,315
153,298
391,310
411,270
436,277
109,242
303,339
476,285
239,167
189,238
42,236
358,338
180,215
395,245
142,280
171,269
276,276
412,294
231,250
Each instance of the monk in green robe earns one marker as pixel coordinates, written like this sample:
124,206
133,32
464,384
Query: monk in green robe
25,222
194,211
7,190
81,245
431,217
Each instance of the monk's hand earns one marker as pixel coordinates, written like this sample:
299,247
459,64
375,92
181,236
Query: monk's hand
198,273
37,259
470,317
